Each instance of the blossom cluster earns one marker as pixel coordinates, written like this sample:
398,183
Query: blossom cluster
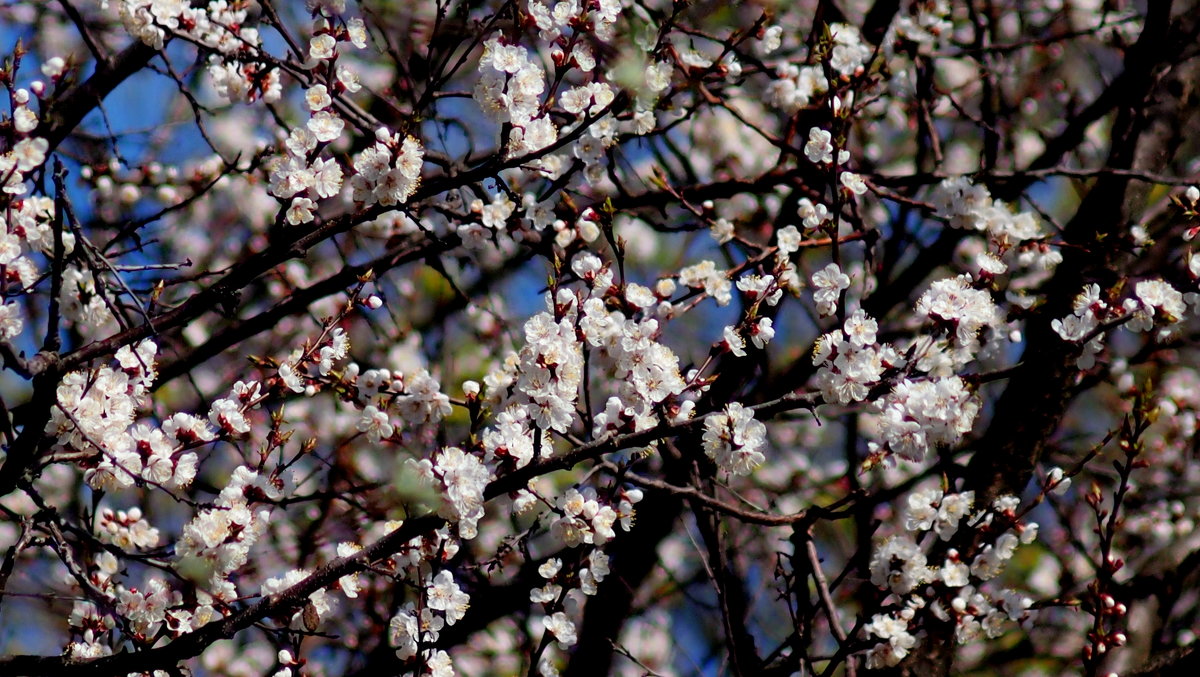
950,588
416,399
96,416
444,605
546,375
492,263
464,478
734,440
25,223
918,415
1014,238
797,85
222,28
389,171
1154,302
217,541
850,361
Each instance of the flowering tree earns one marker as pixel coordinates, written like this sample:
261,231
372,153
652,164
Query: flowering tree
598,337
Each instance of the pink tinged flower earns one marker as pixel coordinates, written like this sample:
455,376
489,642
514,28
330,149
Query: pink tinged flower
562,628
733,342
853,183
187,429
819,149
547,594
410,158
990,263
185,471
375,424
954,300
317,98
321,47
1056,481
11,323
464,477
721,230
291,378
1074,327
1160,295
348,584
439,664
734,440
444,595
118,470
159,469
541,215
247,392
300,211
327,177
326,126
30,153
403,633
955,574
575,100
372,163
349,79
714,281
495,214
24,120
394,188
289,176
898,640
357,32
550,568
10,248
1193,263
602,525
922,509
762,332
227,415
829,283
771,39
54,67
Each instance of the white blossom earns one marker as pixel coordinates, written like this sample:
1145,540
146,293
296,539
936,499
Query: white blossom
734,440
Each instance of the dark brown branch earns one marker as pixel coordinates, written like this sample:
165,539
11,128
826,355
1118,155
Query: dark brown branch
68,111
